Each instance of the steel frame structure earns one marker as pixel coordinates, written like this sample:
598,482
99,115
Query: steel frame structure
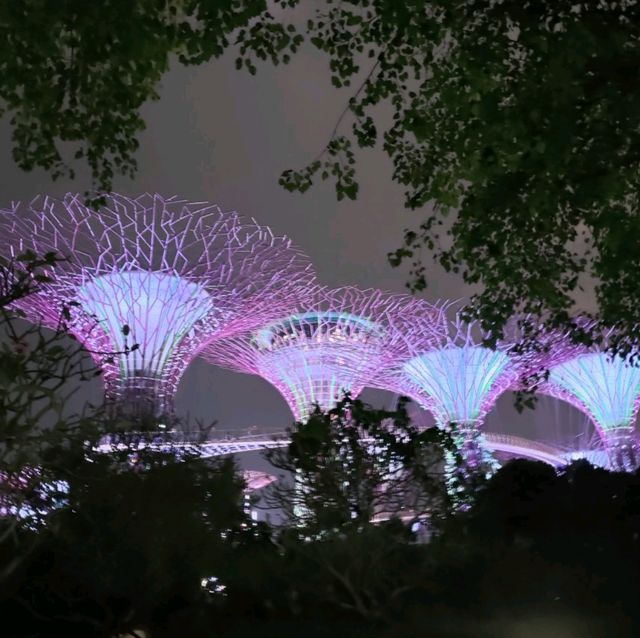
177,274
517,446
456,378
337,343
607,389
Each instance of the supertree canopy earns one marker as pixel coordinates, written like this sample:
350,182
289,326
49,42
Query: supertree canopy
165,275
604,387
461,382
536,349
607,389
458,379
336,343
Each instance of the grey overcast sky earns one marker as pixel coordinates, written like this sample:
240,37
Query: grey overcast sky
220,135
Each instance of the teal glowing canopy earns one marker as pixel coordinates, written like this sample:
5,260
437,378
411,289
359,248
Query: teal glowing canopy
458,383
158,309
337,343
606,388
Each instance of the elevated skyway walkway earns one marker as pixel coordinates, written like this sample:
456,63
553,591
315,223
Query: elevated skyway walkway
229,444
505,443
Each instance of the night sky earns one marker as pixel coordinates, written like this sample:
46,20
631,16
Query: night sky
220,135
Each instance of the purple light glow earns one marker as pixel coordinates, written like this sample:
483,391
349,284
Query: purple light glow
537,350
460,383
255,480
457,379
335,344
178,274
607,389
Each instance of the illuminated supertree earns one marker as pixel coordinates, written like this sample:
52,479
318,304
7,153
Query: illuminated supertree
164,274
607,389
604,387
457,379
335,343
536,348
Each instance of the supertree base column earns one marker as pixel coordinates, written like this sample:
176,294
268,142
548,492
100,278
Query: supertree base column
622,449
470,442
146,283
140,397
477,463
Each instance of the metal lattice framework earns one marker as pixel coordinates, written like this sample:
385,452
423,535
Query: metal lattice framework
517,446
536,349
336,343
178,274
457,379
607,389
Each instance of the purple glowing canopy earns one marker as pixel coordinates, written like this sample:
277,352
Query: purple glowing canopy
604,387
456,378
452,375
178,274
607,389
335,343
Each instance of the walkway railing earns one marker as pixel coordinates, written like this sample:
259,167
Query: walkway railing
526,448
230,444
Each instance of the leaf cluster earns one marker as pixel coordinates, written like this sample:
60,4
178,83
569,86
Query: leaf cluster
134,538
353,465
514,132
74,74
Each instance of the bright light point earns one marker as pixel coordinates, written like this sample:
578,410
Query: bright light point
212,585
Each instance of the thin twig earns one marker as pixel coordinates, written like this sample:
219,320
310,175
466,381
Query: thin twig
347,108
